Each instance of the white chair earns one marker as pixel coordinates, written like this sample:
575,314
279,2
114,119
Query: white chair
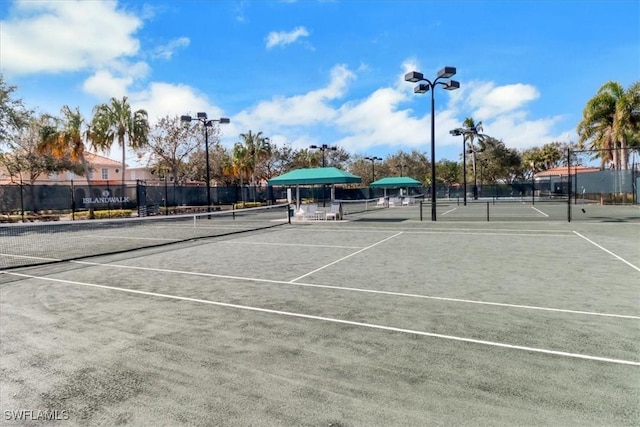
335,212
394,201
381,202
309,211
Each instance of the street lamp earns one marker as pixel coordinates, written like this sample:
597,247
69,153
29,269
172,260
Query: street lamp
373,167
414,77
323,148
202,118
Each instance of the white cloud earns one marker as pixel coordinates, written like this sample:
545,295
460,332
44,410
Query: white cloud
283,38
104,85
161,99
114,82
487,100
54,36
308,109
166,51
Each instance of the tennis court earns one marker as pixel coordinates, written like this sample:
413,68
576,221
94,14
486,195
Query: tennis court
380,319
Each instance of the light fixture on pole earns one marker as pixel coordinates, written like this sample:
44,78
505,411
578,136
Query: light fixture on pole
414,77
373,166
202,118
323,148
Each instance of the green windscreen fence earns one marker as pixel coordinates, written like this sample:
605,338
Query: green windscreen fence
25,244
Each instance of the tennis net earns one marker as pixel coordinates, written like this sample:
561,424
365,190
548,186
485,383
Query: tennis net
350,207
27,244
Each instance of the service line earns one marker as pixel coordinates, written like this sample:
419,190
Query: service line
345,257
608,251
343,322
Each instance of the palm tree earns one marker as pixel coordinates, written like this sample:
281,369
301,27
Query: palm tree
250,153
69,141
610,120
116,121
477,128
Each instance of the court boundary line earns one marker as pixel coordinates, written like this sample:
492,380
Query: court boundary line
433,228
345,257
607,251
243,242
449,211
538,210
362,290
344,322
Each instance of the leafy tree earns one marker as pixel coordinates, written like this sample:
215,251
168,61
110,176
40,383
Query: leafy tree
280,160
14,116
26,161
169,146
306,158
502,164
611,123
117,122
447,171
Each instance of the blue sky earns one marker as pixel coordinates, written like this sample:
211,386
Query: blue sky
328,72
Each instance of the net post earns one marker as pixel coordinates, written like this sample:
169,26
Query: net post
569,184
487,211
21,202
421,210
73,202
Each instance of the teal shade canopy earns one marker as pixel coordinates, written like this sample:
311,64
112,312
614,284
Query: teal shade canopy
315,176
395,182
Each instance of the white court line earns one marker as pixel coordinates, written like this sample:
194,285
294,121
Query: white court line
30,257
408,230
345,257
538,210
100,236
608,251
343,322
233,242
350,289
449,211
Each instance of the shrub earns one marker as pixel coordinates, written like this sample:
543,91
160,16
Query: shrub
244,205
115,213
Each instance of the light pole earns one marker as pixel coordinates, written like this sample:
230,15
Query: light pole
373,167
483,166
401,166
323,148
414,77
464,132
475,171
202,118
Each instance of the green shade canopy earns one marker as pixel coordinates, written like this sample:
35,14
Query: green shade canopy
395,182
315,176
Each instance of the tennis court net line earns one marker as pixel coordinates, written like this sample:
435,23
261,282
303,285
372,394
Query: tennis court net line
350,207
28,244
